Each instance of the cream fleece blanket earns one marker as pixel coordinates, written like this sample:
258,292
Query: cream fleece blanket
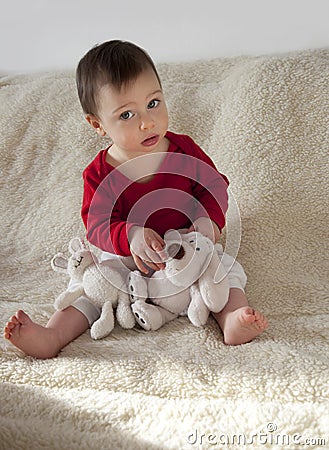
264,121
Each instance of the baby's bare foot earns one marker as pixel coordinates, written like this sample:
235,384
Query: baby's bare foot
243,325
33,339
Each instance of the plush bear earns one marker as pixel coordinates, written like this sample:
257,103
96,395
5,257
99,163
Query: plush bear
100,283
194,282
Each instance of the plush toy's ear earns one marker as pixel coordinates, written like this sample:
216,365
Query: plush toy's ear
76,244
59,263
173,236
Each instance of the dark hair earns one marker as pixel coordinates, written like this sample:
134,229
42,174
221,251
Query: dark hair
116,63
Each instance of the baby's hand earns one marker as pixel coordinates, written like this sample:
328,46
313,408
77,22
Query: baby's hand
206,227
147,249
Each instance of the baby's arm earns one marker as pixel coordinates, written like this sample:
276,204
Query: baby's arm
147,248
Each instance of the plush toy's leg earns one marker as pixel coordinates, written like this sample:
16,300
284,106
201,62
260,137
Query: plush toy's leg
151,317
214,285
105,324
67,297
197,311
137,286
124,314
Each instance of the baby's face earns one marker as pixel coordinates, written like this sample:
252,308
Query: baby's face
136,117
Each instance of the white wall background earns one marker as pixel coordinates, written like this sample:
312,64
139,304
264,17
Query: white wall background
53,34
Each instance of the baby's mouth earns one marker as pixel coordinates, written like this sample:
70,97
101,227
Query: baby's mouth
152,140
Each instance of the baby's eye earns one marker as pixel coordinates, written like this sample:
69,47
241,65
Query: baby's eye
126,115
153,104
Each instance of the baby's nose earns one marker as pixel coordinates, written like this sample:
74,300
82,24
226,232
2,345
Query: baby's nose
146,122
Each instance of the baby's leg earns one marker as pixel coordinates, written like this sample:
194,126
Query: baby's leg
238,321
45,342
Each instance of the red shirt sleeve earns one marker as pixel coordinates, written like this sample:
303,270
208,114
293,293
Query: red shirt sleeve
210,187
101,217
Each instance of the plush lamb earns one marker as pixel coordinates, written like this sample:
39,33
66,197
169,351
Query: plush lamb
193,282
101,284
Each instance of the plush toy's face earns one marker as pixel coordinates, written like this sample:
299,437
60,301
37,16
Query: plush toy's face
78,263
189,257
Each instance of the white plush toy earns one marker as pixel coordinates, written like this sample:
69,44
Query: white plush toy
100,283
193,282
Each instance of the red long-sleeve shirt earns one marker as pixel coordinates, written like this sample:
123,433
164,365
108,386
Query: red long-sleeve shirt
186,186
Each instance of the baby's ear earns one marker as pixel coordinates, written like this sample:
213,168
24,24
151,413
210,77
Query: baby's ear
96,124
59,263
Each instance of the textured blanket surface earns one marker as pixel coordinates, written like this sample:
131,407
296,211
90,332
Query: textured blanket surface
264,121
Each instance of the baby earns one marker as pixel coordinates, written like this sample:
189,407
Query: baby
147,181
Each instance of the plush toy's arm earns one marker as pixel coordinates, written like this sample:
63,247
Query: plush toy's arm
67,297
197,311
124,314
105,324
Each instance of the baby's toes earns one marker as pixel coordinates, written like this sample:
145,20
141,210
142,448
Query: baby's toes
13,321
8,330
260,320
10,326
248,316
